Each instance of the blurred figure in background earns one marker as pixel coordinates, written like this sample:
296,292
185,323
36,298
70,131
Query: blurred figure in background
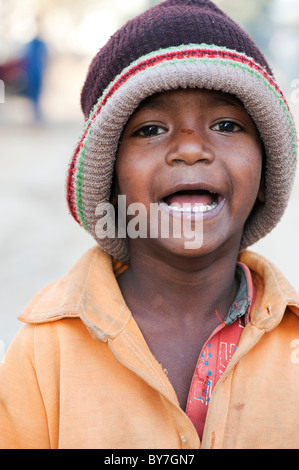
24,75
35,60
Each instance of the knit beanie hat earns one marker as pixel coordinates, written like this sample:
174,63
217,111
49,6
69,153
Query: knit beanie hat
178,44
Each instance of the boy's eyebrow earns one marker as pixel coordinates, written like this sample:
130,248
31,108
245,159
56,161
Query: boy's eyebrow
228,100
158,101
153,102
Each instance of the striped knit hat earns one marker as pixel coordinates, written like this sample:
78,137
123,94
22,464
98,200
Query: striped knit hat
178,44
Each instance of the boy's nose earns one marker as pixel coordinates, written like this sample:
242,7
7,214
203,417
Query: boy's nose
189,149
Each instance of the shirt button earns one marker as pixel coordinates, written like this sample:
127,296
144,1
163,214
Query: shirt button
183,439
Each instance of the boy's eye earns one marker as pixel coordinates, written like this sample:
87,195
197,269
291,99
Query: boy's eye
149,131
227,126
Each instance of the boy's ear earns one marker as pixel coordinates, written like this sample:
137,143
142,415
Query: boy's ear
114,190
261,197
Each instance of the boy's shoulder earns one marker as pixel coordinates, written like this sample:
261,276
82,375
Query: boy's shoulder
88,291
274,293
59,297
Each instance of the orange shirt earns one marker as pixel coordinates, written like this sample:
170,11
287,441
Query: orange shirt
80,375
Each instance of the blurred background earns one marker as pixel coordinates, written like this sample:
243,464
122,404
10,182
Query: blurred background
45,49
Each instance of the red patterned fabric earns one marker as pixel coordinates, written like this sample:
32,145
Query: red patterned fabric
217,353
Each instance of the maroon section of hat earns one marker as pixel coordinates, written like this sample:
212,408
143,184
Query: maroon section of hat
171,23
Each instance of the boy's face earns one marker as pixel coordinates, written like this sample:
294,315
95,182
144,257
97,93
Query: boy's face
194,147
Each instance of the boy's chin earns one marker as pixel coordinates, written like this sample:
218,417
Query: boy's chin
198,247
183,248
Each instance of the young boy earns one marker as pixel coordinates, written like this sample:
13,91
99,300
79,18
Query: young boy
155,340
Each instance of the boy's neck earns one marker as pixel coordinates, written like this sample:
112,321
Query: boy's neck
174,306
186,293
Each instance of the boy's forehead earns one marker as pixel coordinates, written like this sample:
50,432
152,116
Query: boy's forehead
212,98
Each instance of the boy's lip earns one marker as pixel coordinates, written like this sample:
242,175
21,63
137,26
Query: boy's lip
213,199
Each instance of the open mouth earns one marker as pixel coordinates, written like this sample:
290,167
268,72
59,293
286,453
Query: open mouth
192,201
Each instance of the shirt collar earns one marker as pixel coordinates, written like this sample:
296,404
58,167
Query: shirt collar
245,297
90,291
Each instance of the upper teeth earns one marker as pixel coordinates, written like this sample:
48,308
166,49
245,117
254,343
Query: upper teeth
196,208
